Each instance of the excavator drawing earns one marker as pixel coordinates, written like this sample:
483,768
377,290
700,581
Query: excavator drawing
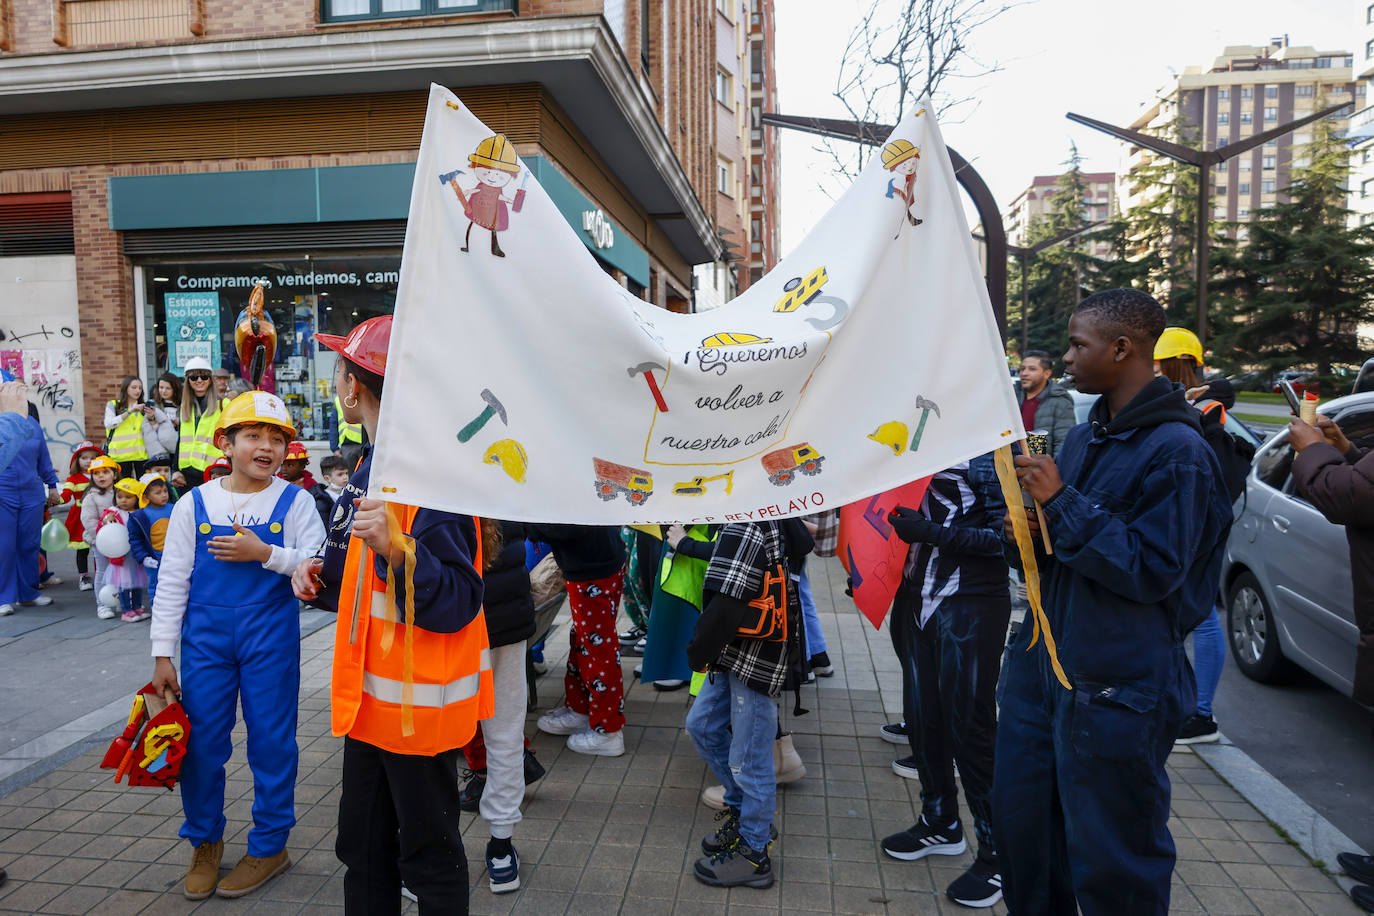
697,485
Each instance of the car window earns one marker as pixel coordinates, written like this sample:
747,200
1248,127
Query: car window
1358,425
1238,429
1275,465
1275,462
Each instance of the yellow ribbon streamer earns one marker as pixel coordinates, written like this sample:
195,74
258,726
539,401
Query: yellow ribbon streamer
1011,492
406,545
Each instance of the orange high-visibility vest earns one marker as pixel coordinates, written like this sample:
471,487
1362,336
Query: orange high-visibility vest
373,696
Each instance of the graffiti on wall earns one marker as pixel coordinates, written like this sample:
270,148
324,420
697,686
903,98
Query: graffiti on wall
49,373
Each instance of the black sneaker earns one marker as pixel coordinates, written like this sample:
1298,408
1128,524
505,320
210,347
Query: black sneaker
905,767
727,833
1363,895
895,733
470,796
1359,867
820,663
1197,729
632,636
737,866
924,840
980,886
534,770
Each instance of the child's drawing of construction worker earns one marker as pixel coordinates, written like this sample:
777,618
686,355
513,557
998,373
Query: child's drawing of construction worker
495,166
900,157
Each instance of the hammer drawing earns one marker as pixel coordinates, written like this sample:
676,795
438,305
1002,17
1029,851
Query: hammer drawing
648,369
493,408
451,179
926,406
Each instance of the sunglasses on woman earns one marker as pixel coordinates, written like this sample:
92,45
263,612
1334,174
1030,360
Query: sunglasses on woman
197,376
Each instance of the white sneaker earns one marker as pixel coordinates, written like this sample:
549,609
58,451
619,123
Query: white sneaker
713,797
105,613
6,610
86,584
597,744
40,601
562,721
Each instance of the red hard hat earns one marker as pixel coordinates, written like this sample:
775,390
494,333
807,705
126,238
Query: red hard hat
296,452
365,345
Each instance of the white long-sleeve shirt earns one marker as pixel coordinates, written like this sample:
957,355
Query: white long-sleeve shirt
302,535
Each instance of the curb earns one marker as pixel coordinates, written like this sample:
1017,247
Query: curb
35,759
1317,837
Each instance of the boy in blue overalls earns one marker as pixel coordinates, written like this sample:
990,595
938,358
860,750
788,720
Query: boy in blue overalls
224,591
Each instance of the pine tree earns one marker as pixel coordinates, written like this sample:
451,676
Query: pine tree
1303,281
1059,274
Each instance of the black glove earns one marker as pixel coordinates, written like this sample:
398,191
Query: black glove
849,586
913,527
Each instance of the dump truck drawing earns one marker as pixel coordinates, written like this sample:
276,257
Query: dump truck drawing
697,485
782,465
614,479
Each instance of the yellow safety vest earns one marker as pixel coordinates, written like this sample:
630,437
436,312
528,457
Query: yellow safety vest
126,441
348,432
197,446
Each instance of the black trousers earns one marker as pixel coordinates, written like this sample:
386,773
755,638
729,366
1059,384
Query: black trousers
398,820
949,687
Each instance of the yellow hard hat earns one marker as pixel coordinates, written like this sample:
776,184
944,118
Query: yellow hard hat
899,151
257,407
130,486
892,434
496,153
103,463
727,339
1176,342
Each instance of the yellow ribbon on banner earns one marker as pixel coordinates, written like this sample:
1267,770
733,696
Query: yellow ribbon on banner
1011,493
406,545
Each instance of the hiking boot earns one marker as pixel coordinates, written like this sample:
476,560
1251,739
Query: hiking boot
727,833
738,866
924,840
1197,729
597,744
534,770
896,733
980,886
787,763
203,872
562,721
470,796
503,866
252,873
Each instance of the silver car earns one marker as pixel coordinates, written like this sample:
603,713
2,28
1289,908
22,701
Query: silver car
1286,573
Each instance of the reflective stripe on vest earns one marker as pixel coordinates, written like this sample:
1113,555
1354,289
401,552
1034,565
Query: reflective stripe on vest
196,448
348,432
449,674
126,441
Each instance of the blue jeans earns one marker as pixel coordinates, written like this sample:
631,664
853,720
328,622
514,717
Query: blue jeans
130,598
733,727
811,619
1209,655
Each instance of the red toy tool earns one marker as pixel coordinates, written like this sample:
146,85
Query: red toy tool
151,747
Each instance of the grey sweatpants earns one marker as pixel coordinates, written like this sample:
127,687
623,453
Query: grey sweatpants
504,736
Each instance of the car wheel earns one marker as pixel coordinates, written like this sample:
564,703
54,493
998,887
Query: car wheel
1253,631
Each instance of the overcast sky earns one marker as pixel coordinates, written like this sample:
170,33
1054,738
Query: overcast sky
1101,58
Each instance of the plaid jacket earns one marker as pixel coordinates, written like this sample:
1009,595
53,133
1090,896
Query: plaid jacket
744,552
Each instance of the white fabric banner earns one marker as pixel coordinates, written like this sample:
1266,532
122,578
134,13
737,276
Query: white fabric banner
530,386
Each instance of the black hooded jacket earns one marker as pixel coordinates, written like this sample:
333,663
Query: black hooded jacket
506,604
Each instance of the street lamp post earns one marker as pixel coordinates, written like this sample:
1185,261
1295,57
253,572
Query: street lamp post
1203,160
1024,255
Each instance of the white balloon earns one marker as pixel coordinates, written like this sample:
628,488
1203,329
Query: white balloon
109,596
112,541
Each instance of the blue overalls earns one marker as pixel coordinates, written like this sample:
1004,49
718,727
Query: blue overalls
240,637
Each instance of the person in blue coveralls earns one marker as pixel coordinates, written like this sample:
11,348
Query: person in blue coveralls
224,591
1137,513
27,483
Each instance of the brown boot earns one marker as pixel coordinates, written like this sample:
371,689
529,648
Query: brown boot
203,871
252,873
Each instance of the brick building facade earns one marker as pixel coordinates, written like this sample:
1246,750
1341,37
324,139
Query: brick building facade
187,144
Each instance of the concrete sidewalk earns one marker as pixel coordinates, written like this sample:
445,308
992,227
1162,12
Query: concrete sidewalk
600,835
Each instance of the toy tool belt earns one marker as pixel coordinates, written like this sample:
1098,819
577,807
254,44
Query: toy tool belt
767,619
153,744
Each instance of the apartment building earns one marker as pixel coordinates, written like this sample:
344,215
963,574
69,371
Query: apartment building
1036,202
1245,91
159,157
1361,128
765,162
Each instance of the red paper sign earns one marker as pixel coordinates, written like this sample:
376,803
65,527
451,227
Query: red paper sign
871,551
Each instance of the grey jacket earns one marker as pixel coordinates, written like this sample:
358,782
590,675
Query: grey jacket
1054,415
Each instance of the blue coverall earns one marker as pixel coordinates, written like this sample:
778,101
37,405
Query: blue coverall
240,638
22,495
1080,795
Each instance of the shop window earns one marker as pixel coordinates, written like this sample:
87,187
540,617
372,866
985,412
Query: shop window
194,306
348,10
